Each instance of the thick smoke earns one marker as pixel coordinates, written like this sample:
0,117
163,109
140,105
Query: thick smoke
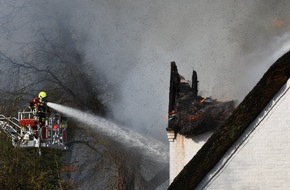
132,42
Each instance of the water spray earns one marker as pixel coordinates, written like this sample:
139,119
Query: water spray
126,136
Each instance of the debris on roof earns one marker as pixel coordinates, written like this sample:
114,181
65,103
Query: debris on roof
190,114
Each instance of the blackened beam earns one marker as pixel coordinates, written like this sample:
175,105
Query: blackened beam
174,86
194,85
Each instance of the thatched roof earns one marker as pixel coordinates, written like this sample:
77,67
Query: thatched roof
223,138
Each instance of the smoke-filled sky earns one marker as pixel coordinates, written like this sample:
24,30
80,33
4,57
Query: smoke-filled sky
132,42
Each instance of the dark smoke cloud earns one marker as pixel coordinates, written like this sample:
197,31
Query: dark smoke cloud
229,43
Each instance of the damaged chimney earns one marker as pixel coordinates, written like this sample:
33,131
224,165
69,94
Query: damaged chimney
190,114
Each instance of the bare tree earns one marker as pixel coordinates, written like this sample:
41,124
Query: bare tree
58,68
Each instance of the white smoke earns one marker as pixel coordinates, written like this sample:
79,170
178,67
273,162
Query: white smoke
260,60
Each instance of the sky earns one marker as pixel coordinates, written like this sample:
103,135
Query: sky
132,42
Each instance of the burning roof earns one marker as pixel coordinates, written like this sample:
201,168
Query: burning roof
190,114
222,139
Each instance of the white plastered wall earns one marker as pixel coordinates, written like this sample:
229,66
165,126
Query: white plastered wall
260,159
182,151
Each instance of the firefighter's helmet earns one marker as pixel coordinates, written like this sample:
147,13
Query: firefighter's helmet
42,95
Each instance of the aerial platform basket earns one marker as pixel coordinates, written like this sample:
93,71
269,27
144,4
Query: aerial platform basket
26,130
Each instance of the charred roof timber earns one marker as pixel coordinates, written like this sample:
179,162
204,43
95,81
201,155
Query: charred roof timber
194,85
190,114
174,86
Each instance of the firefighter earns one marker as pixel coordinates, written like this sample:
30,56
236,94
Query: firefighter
40,107
55,136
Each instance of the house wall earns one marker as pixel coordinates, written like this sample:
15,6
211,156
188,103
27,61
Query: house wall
181,151
260,159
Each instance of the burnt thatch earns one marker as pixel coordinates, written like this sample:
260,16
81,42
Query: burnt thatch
207,117
224,137
189,114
